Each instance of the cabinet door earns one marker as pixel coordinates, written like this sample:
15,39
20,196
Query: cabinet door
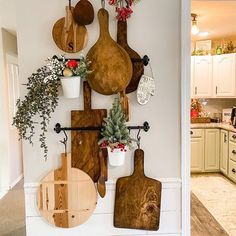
202,77
224,75
224,151
212,144
197,150
192,76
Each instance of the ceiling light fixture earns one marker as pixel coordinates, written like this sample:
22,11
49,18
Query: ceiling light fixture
195,29
203,34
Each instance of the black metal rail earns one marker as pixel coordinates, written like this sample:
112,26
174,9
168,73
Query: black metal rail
58,128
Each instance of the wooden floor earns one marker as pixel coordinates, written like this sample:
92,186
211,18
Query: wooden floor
202,222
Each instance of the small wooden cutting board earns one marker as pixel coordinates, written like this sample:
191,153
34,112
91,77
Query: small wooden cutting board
138,199
85,149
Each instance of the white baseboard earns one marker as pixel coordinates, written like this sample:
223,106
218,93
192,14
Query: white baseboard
16,181
101,223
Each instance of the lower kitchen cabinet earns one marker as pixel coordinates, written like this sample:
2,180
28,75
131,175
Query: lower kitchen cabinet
197,153
224,151
212,148
205,144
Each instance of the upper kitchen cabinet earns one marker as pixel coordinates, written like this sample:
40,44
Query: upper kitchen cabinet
202,77
224,75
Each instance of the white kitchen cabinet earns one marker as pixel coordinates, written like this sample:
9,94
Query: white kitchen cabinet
192,74
197,150
224,75
202,77
224,151
212,145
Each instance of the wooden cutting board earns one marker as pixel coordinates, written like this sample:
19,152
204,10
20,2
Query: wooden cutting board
110,64
68,35
67,196
85,149
138,67
138,199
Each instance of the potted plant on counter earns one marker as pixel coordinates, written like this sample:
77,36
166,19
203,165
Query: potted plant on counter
116,135
73,72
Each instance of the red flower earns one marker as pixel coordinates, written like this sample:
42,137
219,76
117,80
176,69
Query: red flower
123,13
72,64
112,2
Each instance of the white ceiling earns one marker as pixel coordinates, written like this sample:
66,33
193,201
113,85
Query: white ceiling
216,17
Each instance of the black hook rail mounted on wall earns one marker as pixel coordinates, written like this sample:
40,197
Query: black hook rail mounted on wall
145,59
58,128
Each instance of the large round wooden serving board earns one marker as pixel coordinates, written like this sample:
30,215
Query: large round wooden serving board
67,196
110,64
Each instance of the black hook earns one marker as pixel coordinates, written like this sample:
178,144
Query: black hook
70,4
138,138
64,141
103,4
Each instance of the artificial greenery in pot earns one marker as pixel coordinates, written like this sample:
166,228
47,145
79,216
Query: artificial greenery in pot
116,135
40,101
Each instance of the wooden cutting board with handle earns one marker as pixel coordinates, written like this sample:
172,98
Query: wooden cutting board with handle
110,64
67,196
84,144
68,35
138,199
138,67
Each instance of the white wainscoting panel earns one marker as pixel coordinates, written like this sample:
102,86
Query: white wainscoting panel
101,223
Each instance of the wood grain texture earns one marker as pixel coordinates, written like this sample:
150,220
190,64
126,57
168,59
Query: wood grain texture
101,185
68,35
84,12
67,196
202,222
138,199
110,64
138,67
125,105
85,149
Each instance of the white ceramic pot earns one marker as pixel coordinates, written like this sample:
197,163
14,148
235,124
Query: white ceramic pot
116,157
71,86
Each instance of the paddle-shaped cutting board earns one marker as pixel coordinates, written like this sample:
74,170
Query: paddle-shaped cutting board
67,196
84,146
138,67
138,199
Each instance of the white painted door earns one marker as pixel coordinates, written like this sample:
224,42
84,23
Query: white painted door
212,144
197,150
202,76
224,151
224,75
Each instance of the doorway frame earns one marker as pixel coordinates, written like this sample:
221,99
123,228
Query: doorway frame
185,114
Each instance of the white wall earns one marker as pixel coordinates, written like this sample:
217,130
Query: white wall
154,29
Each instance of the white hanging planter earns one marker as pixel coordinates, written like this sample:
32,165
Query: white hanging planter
71,86
116,157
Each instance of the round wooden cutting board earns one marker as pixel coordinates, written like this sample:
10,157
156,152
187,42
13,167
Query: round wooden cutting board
67,196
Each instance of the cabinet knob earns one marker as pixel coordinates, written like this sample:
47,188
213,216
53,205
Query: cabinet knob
233,170
234,152
225,138
191,132
234,136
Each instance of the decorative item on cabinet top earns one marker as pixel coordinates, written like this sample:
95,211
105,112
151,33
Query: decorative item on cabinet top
68,35
111,65
67,196
137,199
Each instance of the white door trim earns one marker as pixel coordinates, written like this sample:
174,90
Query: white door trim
185,114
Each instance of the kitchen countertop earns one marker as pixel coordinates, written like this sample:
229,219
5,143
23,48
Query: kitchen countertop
213,125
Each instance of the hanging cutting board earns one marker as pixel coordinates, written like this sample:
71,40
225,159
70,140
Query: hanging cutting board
138,199
110,64
138,67
85,149
67,196
68,35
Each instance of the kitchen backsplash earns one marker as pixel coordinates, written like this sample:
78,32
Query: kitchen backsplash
217,105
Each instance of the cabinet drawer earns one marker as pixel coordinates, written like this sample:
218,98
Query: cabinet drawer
232,151
196,133
232,136
232,170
